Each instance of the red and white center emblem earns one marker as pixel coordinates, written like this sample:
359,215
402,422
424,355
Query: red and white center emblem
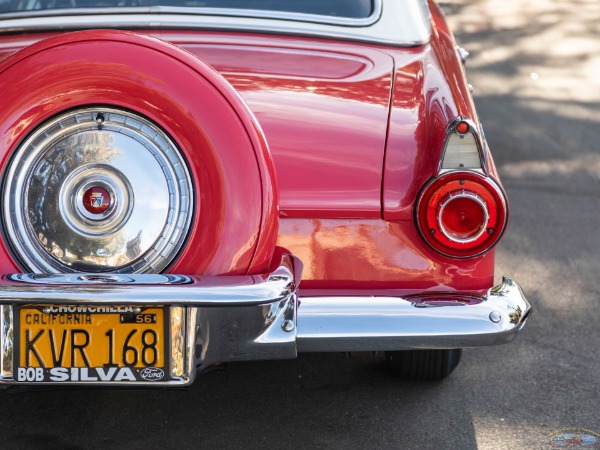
96,200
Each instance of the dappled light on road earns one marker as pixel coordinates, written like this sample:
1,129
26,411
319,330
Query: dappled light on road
539,49
535,66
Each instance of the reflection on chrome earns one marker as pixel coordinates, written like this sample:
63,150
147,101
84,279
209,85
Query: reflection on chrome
515,316
177,342
6,339
141,289
392,323
94,278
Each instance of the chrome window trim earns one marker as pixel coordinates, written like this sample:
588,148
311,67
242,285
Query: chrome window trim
392,22
199,11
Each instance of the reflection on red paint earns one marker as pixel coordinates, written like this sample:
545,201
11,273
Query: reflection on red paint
324,107
346,254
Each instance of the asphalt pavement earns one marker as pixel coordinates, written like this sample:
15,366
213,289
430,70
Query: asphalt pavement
535,66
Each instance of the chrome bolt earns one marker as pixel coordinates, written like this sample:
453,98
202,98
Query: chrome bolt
495,316
462,54
490,231
288,325
99,119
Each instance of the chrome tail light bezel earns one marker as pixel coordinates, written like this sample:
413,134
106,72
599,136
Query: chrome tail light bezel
478,201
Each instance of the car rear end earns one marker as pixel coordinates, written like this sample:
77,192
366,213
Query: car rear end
232,195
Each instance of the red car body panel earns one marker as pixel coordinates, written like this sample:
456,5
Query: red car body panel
355,131
324,114
385,258
187,99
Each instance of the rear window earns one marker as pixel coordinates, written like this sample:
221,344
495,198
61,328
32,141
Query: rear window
354,9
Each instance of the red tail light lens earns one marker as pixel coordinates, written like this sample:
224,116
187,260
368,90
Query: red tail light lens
461,214
462,127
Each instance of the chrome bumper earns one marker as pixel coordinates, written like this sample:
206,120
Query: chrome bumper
434,321
240,318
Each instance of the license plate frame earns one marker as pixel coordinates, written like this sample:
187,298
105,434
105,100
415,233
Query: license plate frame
107,373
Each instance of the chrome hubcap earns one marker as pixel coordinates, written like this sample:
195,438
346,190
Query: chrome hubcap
96,190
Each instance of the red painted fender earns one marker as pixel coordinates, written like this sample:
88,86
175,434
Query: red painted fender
236,212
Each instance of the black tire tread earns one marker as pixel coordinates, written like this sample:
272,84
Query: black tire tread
423,365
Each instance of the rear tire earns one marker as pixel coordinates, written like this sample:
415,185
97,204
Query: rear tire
423,365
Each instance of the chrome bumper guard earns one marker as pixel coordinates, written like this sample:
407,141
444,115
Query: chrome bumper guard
241,318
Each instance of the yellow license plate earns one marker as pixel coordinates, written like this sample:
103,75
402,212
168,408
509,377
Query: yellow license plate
91,344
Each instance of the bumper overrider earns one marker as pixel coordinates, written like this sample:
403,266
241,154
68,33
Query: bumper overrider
241,318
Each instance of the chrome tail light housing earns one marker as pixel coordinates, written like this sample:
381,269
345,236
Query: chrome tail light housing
461,214
463,147
97,189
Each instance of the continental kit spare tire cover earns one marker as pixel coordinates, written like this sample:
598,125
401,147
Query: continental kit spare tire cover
124,153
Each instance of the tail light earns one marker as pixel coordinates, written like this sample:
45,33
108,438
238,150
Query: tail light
463,147
461,213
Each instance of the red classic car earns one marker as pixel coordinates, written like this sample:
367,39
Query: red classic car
186,183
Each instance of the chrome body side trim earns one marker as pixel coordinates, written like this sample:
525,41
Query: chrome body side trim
391,323
405,23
